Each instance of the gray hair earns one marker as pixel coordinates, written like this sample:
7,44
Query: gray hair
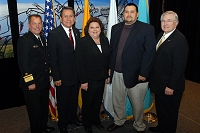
170,12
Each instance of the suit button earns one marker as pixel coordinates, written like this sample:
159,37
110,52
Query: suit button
45,63
102,66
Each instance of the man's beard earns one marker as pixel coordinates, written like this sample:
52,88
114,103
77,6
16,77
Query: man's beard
129,22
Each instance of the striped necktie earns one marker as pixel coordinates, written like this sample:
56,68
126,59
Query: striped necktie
70,37
161,41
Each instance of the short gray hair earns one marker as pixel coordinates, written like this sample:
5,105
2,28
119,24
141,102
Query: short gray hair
170,12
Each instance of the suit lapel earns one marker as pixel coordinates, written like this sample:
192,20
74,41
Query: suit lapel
75,34
164,44
104,45
63,34
158,39
33,37
132,34
159,36
118,34
44,43
92,44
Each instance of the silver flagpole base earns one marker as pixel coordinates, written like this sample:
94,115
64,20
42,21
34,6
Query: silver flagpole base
150,117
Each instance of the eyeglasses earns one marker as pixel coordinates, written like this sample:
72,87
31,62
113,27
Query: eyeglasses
167,21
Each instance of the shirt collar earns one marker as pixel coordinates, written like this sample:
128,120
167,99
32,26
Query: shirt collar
66,29
168,34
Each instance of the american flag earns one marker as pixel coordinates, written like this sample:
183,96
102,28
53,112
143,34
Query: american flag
48,18
48,26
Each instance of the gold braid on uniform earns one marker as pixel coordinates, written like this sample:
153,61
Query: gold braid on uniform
28,77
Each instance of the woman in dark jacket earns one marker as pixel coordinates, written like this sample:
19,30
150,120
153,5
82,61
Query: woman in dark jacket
93,52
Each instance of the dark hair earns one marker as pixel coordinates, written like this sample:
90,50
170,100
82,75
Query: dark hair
34,15
66,8
94,19
132,4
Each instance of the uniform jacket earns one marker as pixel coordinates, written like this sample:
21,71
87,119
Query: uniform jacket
138,53
170,63
33,61
62,56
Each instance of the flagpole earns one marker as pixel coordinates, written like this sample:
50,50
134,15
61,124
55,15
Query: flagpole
163,3
49,17
54,14
112,20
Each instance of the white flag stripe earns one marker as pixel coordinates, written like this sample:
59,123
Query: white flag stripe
52,98
112,18
53,101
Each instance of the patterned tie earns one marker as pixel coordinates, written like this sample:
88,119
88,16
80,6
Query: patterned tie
70,37
161,41
41,44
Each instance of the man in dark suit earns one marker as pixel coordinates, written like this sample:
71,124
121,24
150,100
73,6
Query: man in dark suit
62,43
167,79
34,66
132,53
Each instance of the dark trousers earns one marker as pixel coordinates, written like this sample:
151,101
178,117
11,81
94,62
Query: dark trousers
92,99
167,108
37,107
67,102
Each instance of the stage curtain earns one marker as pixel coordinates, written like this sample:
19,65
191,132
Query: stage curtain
189,18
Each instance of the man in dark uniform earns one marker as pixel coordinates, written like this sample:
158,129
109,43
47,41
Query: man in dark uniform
34,67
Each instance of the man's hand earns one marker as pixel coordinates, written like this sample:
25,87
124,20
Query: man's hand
57,83
31,87
50,78
109,71
169,91
84,86
141,78
108,80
